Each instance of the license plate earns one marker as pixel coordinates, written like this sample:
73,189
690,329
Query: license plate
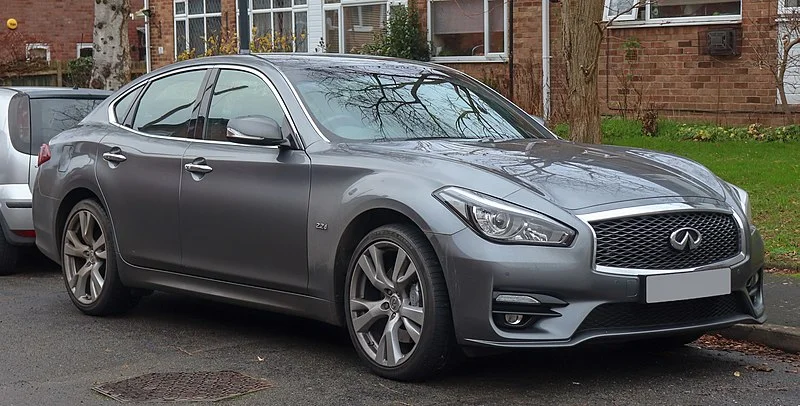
689,285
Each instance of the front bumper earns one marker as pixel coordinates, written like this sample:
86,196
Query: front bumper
584,304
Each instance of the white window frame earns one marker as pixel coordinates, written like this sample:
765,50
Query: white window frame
186,17
37,45
783,9
83,45
294,9
631,21
342,4
487,56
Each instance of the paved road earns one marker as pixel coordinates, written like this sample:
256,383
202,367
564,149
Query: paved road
51,355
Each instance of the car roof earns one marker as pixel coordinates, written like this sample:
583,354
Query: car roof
39,92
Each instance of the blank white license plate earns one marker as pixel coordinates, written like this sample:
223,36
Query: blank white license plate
690,285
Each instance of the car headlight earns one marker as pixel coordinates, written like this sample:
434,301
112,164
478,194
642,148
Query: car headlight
504,222
744,201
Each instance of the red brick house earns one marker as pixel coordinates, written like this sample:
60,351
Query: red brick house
60,30
692,59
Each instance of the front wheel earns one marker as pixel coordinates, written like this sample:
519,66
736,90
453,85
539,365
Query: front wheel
396,305
89,262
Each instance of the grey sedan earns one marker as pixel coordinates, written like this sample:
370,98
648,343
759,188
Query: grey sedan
405,201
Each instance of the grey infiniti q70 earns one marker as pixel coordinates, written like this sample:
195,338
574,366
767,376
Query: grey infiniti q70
405,201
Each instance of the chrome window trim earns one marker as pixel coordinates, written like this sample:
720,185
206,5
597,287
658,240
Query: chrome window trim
662,209
112,118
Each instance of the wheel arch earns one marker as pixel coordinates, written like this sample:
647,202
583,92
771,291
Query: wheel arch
69,201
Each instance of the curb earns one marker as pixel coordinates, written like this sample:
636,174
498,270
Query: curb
783,338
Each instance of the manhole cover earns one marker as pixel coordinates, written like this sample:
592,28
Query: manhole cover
182,387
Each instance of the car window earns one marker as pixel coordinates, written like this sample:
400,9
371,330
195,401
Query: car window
395,102
52,116
238,94
124,104
165,108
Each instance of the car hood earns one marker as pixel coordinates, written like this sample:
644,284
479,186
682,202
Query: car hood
571,175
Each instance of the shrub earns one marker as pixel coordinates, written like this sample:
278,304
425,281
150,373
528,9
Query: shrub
753,132
402,37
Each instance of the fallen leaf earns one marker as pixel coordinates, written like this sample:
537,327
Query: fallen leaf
762,368
737,373
260,359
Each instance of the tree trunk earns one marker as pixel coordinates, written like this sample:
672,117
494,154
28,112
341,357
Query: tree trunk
582,36
112,58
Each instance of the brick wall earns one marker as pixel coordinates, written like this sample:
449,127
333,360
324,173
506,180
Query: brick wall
61,24
672,76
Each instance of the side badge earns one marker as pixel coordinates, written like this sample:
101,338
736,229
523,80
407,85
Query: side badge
322,226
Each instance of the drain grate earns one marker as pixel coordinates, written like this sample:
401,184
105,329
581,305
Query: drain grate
182,387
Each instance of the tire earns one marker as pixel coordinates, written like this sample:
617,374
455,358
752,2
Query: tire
8,256
432,347
113,297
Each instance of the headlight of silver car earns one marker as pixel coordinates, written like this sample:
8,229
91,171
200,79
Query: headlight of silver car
501,221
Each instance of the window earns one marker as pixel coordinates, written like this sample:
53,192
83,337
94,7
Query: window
632,12
789,6
52,116
38,52
84,49
238,94
282,24
351,24
195,22
391,103
471,29
166,106
124,104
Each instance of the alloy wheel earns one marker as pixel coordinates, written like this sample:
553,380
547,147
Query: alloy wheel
386,304
84,257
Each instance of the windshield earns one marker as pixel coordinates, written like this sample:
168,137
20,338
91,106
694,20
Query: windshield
395,102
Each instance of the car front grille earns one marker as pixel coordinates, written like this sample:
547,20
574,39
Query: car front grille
643,242
634,315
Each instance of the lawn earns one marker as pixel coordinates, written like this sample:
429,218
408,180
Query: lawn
768,171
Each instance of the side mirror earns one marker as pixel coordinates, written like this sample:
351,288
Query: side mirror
255,130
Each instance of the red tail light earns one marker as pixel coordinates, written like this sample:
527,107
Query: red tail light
25,233
44,154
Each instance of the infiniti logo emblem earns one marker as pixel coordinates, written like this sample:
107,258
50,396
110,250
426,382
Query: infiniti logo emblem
686,238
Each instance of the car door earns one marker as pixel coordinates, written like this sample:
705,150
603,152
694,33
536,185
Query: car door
243,215
139,167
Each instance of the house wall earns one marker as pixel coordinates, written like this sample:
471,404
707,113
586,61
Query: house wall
61,24
668,72
672,76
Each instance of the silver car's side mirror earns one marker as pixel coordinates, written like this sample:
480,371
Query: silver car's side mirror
255,130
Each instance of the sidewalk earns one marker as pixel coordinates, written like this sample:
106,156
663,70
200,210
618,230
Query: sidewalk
782,329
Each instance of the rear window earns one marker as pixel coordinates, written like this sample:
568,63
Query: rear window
52,116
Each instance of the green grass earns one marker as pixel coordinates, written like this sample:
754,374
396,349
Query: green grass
768,171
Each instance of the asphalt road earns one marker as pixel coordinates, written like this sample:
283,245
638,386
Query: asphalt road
50,354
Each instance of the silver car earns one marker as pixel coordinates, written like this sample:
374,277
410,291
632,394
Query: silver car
405,201
29,117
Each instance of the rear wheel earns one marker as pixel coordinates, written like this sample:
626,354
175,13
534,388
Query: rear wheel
89,262
396,305
8,256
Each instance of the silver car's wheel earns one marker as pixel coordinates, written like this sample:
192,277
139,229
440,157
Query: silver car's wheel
85,257
396,304
89,262
386,304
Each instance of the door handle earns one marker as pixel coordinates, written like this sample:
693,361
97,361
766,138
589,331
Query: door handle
197,168
114,157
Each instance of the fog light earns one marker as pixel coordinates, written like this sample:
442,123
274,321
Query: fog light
513,319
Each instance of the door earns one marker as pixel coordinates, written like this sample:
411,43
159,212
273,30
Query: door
244,208
139,169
